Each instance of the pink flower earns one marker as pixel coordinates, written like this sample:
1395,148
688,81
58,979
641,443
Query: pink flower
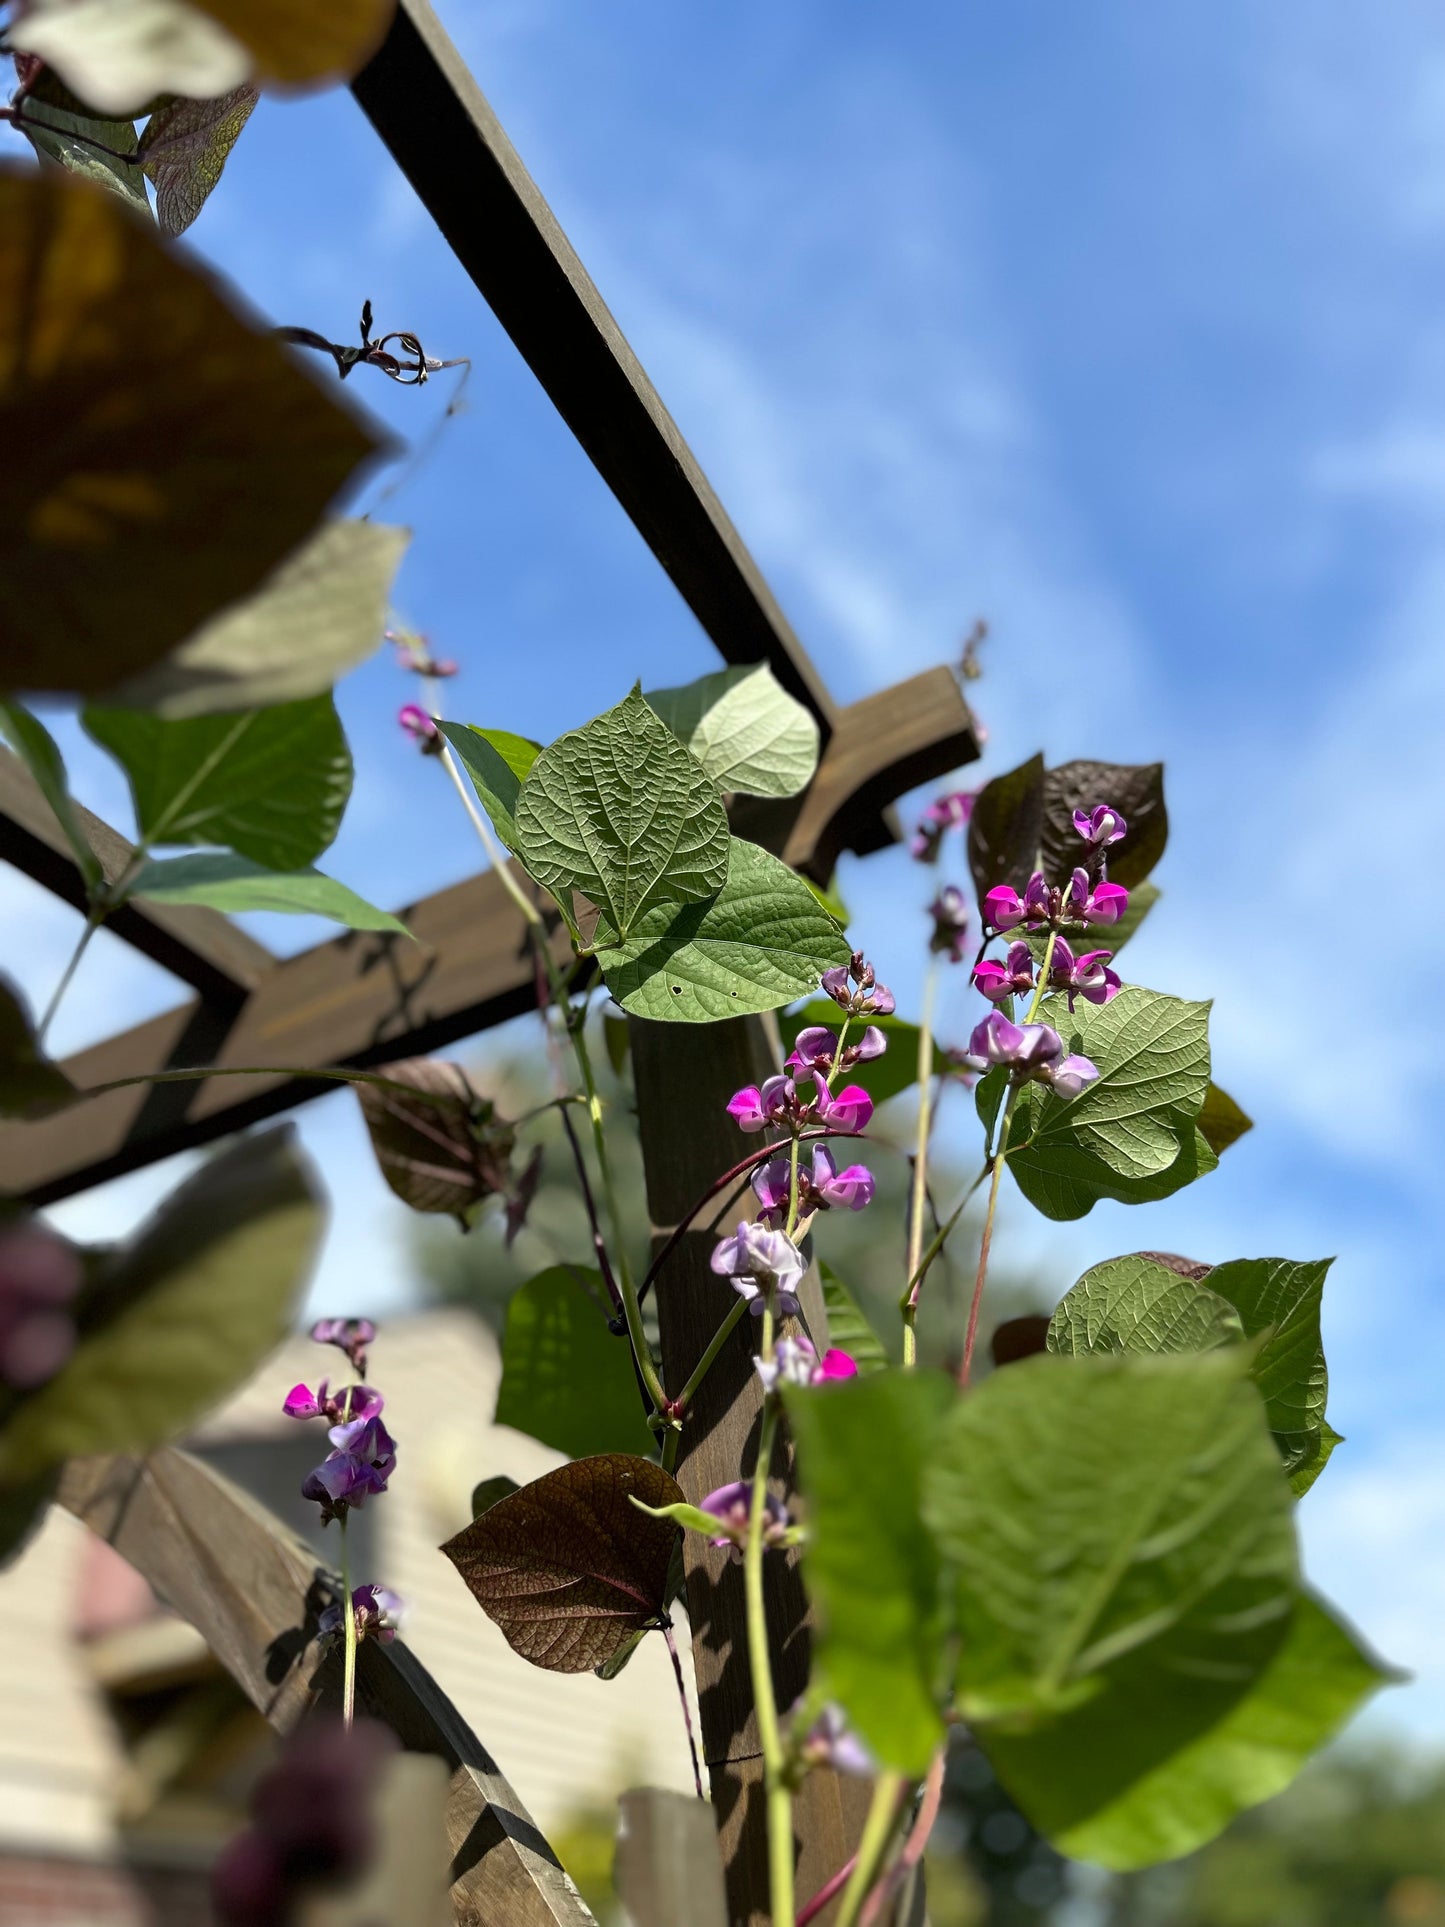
795,1362
347,1402
1086,976
732,1505
756,1109
1105,903
1100,826
1012,978
849,1111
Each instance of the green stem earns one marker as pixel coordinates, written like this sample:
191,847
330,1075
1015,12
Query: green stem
715,1344
792,1224
888,1790
348,1621
92,924
919,1198
945,1231
779,1795
498,862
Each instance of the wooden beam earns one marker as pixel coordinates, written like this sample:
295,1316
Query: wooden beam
424,103
367,998
201,947
253,1591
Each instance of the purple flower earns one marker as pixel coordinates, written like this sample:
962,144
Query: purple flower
40,1275
1100,826
756,1110
765,1267
366,1439
854,987
1004,908
796,1362
830,1741
815,1048
772,1185
1085,976
348,1401
350,1335
836,1363
420,727
378,1613
945,813
341,1483
852,1189
1105,903
949,910
849,1111
732,1507
1012,978
1016,1046
1069,1076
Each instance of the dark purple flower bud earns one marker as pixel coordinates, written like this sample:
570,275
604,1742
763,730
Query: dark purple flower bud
377,1610
732,1507
849,1111
341,1484
765,1267
1038,904
1100,826
827,1185
350,1335
945,813
1012,978
835,983
1070,1075
346,1402
40,1275
366,1439
949,910
830,1741
1086,976
420,727
854,987
1105,903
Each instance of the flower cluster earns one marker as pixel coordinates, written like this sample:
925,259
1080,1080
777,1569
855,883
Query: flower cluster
821,1185
949,910
765,1266
732,1507
816,1052
830,1741
377,1612
1087,976
1044,905
795,1361
40,1275
363,1451
349,1335
777,1105
1029,1052
854,988
945,813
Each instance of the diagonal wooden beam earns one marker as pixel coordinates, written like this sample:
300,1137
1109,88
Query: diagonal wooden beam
419,95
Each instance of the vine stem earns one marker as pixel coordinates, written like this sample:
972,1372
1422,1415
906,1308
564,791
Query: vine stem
831,1887
779,1795
1000,1158
348,1676
920,1167
676,1657
888,1792
92,924
914,1846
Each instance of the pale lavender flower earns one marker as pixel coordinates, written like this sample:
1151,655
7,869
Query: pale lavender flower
765,1267
732,1507
1069,1076
379,1613
830,1741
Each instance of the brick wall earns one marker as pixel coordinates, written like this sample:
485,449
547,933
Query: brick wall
76,1893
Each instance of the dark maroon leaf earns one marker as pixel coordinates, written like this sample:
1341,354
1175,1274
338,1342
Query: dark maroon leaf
1018,1338
1004,830
185,146
568,1567
1189,1268
444,1149
1136,790
30,1085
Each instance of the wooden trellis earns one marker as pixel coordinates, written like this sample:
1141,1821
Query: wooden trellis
365,999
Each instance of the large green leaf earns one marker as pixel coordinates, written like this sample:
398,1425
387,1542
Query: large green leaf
1278,1300
1124,1552
498,763
621,812
762,941
1137,1304
270,784
745,729
1317,1679
848,1329
232,883
1131,1134
84,144
565,1379
882,1077
313,618
30,1085
180,1316
37,748
872,1569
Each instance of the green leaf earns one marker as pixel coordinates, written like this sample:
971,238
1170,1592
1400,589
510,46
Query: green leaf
87,145
313,618
30,1085
848,1329
1137,1304
1222,1121
1131,1134
1136,790
565,1379
1309,1468
622,813
1317,1679
182,1314
1004,829
761,942
22,1513
185,146
1125,1564
691,1518
1278,1300
37,748
487,1492
882,1077
498,764
231,883
872,1568
745,729
270,784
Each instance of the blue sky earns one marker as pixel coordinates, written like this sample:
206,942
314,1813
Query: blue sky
1120,327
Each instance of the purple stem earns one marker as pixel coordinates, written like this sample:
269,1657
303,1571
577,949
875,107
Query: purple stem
686,1709
812,1908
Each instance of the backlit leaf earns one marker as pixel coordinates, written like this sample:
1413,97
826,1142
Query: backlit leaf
565,1379
30,1085
233,884
497,762
1221,1120
621,812
298,45
185,145
139,397
179,1316
1004,829
444,1150
89,146
1136,790
872,1568
848,1329
315,617
748,733
1137,1304
1278,1300
37,748
761,942
270,784
568,1567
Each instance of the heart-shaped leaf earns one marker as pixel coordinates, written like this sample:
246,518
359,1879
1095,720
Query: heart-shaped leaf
270,784
1004,829
139,396
1135,790
444,1150
565,1379
30,1085
762,941
1278,1300
748,733
232,884
622,813
498,763
569,1568
313,618
1137,1304
40,753
185,147
89,146
1221,1120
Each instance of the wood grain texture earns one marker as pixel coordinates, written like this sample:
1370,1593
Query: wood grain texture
201,947
253,1591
